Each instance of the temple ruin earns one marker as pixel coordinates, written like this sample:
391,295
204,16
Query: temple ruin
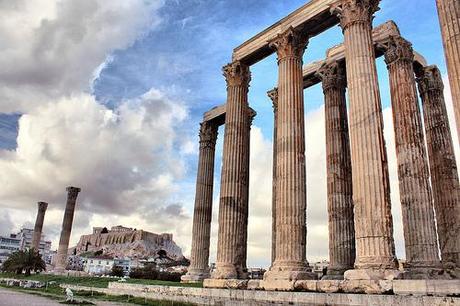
361,243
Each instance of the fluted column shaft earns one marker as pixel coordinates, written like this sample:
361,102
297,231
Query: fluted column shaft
371,193
42,206
273,95
290,250
233,208
61,256
413,173
342,250
443,167
201,233
449,18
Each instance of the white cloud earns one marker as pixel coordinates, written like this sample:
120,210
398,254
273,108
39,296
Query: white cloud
52,48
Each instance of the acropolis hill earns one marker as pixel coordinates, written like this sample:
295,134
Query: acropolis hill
122,241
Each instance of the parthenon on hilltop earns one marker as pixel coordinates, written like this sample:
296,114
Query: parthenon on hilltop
361,243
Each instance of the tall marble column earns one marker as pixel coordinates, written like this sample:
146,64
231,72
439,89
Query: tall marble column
201,233
449,18
234,179
42,206
371,190
290,261
443,167
342,251
413,172
61,256
273,95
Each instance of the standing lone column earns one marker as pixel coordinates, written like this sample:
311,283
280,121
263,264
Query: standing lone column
449,18
201,233
342,250
371,190
235,177
291,203
414,184
42,206
443,167
273,95
61,256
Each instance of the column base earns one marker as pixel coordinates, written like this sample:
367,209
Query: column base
335,273
195,276
284,278
228,272
372,274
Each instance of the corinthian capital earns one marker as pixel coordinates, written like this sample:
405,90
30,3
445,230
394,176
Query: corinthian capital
397,49
430,80
42,206
273,95
291,43
208,135
332,74
72,192
237,74
355,11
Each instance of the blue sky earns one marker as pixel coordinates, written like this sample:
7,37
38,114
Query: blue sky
151,68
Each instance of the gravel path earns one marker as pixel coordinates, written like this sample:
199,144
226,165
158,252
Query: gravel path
15,298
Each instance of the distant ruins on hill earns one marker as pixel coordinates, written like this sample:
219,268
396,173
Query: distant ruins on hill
122,242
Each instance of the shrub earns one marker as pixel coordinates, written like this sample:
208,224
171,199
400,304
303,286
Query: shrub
117,271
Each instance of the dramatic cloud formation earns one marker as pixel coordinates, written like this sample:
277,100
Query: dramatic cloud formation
50,48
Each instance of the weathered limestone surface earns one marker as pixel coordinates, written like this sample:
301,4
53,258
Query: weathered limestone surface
339,178
273,95
201,233
61,256
233,209
290,261
42,206
443,167
371,196
414,184
449,18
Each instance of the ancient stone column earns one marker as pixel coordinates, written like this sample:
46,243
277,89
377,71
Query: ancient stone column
371,190
290,261
61,256
443,167
42,206
201,233
342,250
273,95
235,176
449,17
413,173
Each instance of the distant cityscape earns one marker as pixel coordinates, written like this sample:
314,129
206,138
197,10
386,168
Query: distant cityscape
23,241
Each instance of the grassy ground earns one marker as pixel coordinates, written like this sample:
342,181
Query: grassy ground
56,293
97,282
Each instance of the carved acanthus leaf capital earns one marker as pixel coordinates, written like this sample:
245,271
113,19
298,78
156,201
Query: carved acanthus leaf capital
273,95
72,192
291,43
430,80
208,135
397,49
237,74
42,206
355,11
332,75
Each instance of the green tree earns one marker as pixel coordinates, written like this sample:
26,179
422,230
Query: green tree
117,271
24,261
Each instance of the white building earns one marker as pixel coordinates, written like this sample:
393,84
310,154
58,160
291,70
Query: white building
23,241
8,245
98,265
